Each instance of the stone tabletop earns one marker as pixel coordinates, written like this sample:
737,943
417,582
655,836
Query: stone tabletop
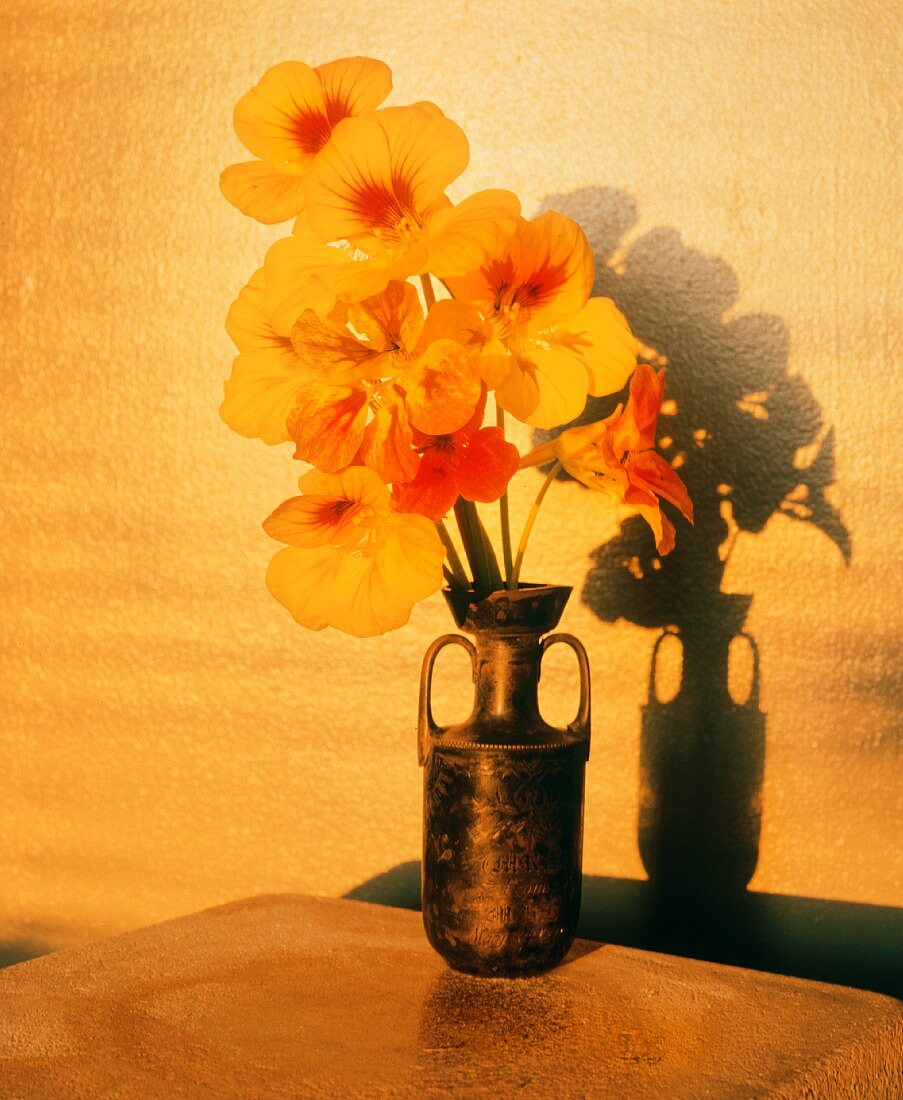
290,996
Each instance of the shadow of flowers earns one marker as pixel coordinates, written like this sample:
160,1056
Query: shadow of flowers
749,441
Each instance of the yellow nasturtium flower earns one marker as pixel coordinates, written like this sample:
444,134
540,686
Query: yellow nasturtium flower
378,192
351,561
548,343
287,120
375,371
267,372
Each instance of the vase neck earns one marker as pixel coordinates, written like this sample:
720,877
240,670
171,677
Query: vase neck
507,676
706,659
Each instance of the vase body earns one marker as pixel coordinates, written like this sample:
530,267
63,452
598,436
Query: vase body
503,796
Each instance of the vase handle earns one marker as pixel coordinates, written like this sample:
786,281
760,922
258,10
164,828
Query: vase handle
426,726
753,700
668,632
581,726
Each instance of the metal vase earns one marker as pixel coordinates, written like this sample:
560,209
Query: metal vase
503,795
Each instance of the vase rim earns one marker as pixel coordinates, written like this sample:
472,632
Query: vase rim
533,608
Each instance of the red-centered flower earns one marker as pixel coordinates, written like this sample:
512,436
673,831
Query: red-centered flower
548,343
287,120
351,560
473,462
381,185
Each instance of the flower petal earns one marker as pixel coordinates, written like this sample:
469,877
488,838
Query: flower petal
262,392
601,339
452,320
543,273
518,391
656,474
553,265
442,388
304,273
408,569
382,170
307,582
428,150
283,118
362,593
463,235
327,424
494,363
462,435
310,521
391,319
487,465
289,115
387,443
434,489
266,376
662,528
354,483
334,510
636,430
263,192
354,85
328,350
544,387
248,322
286,120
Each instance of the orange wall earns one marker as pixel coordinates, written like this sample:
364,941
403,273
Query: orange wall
170,739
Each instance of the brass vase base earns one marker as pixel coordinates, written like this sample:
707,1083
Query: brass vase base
501,878
503,798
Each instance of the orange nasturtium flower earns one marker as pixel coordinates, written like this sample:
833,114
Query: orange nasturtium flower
549,343
473,462
617,456
375,372
266,374
351,560
287,120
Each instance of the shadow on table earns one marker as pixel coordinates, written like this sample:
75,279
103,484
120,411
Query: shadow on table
846,943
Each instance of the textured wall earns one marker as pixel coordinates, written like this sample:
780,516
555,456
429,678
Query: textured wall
170,739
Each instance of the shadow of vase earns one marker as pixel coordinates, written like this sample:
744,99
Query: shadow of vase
702,761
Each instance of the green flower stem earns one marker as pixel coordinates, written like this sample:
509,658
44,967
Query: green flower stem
528,526
456,566
474,546
495,575
429,295
503,511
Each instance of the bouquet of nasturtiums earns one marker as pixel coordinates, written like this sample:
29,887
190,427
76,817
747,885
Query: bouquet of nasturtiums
379,334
